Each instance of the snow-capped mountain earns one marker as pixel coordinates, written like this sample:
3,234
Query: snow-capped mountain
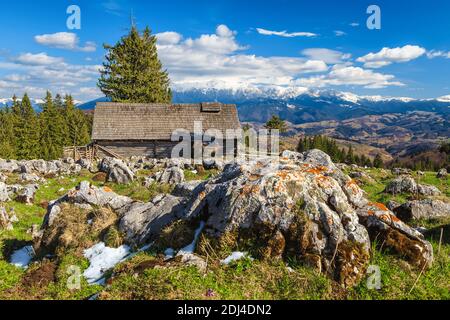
298,105
303,105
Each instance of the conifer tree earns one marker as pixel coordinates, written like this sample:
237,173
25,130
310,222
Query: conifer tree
276,123
378,161
133,72
52,134
27,129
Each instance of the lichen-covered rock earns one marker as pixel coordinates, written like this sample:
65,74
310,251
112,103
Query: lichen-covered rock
407,184
30,177
297,204
186,189
171,175
386,228
401,171
423,209
142,221
442,173
4,195
402,184
26,195
6,220
428,190
117,171
303,206
392,204
9,166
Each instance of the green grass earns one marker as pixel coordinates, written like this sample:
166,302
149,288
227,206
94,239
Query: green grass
205,175
242,280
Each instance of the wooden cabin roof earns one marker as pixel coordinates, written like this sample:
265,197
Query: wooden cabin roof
128,121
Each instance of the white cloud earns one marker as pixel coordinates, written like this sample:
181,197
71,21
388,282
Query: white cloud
326,55
36,73
219,57
16,77
285,33
438,53
339,33
169,37
354,24
38,59
345,75
65,40
387,56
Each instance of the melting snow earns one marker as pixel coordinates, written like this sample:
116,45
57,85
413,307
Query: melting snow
235,256
21,258
191,248
169,253
102,259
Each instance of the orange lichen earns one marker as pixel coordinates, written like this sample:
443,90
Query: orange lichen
317,170
379,206
107,189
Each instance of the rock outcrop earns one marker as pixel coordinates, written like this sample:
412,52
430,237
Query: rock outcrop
116,170
423,209
300,205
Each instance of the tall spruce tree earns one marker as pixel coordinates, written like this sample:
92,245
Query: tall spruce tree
27,131
133,72
52,130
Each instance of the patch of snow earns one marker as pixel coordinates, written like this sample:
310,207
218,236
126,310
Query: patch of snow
102,259
291,106
169,253
21,258
444,98
235,256
191,247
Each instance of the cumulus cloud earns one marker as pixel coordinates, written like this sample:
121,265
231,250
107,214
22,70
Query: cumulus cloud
387,56
285,34
344,75
219,57
38,59
169,37
65,40
326,55
36,73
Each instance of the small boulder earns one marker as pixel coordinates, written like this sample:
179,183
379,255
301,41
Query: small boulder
26,195
423,209
427,190
4,195
442,174
5,221
171,175
402,184
116,170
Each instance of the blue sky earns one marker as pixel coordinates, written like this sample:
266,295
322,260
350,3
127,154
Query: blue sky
234,44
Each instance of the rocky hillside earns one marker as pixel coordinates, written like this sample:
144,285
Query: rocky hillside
300,227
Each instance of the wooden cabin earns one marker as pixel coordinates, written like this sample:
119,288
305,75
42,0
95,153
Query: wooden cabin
128,129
